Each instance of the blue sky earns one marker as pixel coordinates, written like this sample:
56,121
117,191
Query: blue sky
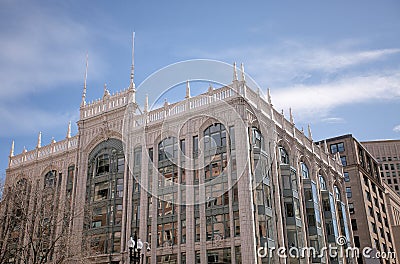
336,63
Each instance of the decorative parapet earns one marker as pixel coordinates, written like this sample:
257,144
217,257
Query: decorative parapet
120,99
107,103
53,148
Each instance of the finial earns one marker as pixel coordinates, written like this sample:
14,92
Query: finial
12,149
53,140
291,116
282,112
165,102
309,132
69,130
235,77
187,90
269,96
83,103
132,84
210,88
302,130
242,72
39,141
146,103
106,92
325,147
24,150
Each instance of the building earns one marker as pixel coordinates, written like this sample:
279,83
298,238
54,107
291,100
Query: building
212,178
367,196
387,153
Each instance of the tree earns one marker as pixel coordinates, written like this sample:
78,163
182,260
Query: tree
36,223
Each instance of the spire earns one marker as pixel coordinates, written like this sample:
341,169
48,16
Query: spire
83,103
309,132
69,130
242,72
12,149
269,96
235,77
146,103
291,116
132,84
187,90
24,150
39,141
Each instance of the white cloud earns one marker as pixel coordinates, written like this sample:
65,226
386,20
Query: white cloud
313,80
333,120
41,51
316,100
25,121
396,128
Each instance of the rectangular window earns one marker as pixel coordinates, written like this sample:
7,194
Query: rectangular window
101,191
348,192
195,145
121,164
183,147
338,147
343,160
351,208
354,224
346,176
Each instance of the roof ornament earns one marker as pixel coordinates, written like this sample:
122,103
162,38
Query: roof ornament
309,132
187,90
326,147
12,149
69,130
106,92
146,103
39,141
83,103
132,84
269,96
242,72
235,77
210,88
291,116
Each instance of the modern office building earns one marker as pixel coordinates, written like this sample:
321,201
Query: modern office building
209,179
367,197
387,153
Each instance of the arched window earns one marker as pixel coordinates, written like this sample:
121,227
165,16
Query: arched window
284,155
304,171
104,193
338,196
215,150
322,183
50,179
215,162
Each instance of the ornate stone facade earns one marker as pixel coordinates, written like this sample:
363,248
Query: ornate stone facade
209,179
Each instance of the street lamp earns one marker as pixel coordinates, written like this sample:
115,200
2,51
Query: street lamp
135,245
